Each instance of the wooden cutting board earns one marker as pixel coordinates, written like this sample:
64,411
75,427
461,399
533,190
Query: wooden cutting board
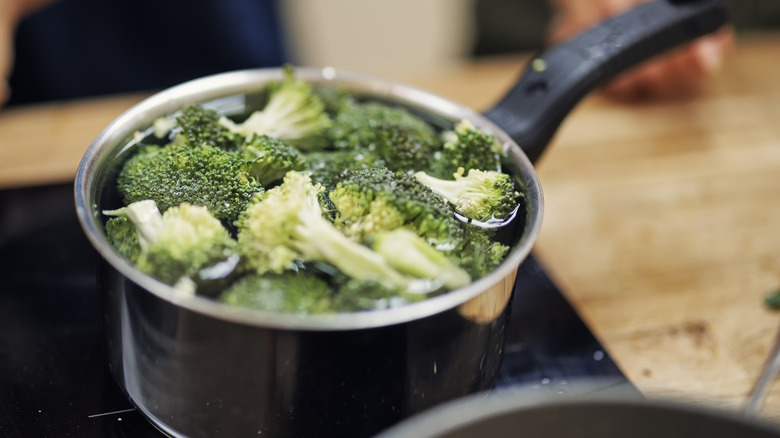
42,144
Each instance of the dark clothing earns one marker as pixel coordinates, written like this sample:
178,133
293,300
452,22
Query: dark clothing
78,48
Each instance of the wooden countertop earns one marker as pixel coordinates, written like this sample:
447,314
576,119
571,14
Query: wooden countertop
662,220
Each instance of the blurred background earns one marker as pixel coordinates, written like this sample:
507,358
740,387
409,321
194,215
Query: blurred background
407,36
81,48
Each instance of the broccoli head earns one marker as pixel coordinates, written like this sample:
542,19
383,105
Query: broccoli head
480,253
480,195
185,245
334,98
269,159
327,167
293,113
466,147
401,139
121,233
290,291
354,295
375,200
199,126
200,175
285,225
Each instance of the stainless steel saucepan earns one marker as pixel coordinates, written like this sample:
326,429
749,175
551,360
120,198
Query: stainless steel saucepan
587,409
198,368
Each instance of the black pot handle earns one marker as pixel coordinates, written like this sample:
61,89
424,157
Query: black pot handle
558,78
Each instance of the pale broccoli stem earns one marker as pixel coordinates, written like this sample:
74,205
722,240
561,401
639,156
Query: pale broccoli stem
411,255
145,217
318,239
293,113
287,224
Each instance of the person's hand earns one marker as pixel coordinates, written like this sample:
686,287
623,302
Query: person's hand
670,75
11,11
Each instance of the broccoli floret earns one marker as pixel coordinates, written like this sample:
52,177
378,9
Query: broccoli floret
375,200
401,139
200,126
480,195
335,99
480,254
285,225
200,175
184,245
356,295
466,147
411,255
290,291
293,113
145,218
269,159
121,233
327,167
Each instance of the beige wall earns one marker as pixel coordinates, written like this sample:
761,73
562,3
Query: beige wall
378,36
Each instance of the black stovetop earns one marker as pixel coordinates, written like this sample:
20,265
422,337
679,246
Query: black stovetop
54,378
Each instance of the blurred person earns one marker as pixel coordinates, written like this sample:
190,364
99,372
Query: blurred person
11,12
668,75
63,49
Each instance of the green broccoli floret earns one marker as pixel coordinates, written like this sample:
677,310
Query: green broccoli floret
327,167
358,295
200,126
480,253
375,200
335,99
121,233
200,175
411,255
293,113
285,225
290,291
269,159
466,147
186,246
399,138
480,195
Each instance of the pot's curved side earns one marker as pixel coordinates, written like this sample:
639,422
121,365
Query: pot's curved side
588,409
197,376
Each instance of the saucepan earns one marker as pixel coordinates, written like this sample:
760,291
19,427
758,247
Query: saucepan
586,409
196,367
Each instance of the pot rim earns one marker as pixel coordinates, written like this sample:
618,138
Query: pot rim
112,139
603,394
